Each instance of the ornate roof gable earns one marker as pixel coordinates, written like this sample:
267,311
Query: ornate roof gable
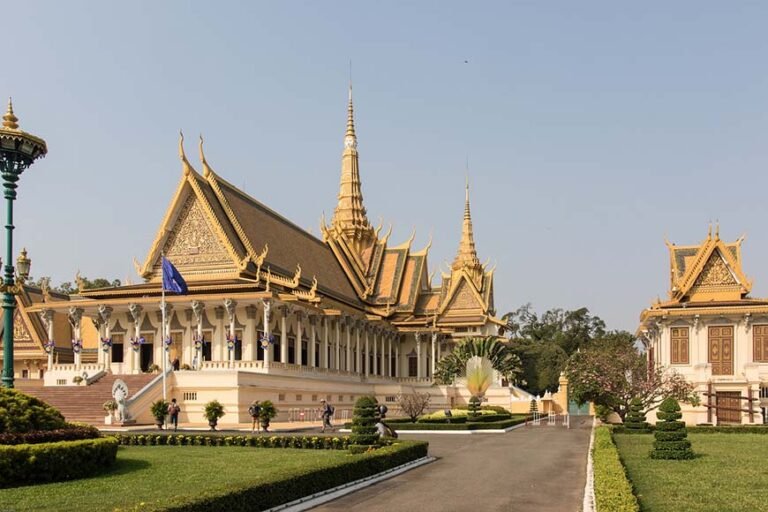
196,234
708,272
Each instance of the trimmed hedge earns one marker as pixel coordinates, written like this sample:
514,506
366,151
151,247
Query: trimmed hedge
453,420
490,425
304,442
613,492
52,462
364,431
283,490
73,433
496,408
735,429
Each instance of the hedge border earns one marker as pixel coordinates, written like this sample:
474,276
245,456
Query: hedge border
71,433
613,491
300,442
52,462
296,486
488,425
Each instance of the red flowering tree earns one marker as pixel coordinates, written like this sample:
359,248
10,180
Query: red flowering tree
609,371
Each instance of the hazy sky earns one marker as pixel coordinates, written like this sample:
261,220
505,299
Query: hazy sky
593,129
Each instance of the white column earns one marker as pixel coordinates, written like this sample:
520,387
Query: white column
267,333
136,311
375,369
367,363
249,336
397,356
198,310
358,354
337,341
432,362
283,335
46,316
105,312
419,371
348,341
230,306
312,338
324,345
75,318
389,355
297,345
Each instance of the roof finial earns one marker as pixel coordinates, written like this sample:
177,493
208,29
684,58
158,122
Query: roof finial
350,139
184,162
206,169
466,255
717,228
10,121
709,233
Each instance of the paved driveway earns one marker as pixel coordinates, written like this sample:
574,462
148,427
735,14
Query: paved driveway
531,469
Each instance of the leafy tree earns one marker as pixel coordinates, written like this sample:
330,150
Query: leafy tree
68,288
611,372
544,343
498,352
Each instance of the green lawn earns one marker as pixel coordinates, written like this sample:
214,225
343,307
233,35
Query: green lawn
144,478
727,475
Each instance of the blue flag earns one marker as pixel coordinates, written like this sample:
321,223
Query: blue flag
172,280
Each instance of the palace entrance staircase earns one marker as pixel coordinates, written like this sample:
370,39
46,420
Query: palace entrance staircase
82,403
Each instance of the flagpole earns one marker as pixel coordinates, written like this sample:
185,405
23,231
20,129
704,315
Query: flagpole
162,329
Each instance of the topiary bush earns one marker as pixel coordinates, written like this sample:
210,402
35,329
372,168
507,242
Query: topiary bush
671,434
20,412
364,431
474,407
534,407
635,422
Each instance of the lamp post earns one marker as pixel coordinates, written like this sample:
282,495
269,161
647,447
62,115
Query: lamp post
18,150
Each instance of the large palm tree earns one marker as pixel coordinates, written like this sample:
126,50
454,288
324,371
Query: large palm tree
498,352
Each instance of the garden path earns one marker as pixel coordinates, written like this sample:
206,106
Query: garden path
531,469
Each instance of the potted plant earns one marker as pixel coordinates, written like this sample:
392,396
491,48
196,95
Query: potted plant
159,409
153,368
268,412
213,411
110,406
77,379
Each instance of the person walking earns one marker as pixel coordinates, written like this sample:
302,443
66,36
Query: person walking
326,411
173,414
255,411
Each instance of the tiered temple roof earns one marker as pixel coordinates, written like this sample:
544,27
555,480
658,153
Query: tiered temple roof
220,238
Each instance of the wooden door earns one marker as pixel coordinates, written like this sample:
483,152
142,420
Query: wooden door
728,407
721,350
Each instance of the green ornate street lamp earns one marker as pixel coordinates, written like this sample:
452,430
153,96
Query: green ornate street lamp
18,150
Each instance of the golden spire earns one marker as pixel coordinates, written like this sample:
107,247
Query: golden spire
467,255
349,215
10,121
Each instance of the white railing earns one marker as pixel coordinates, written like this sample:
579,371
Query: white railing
139,403
66,372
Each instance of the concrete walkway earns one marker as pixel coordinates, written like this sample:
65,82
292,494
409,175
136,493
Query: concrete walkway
531,469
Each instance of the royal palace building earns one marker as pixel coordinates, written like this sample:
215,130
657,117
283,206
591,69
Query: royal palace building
273,312
711,331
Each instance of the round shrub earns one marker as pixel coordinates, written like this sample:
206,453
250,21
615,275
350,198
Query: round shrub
364,422
20,412
670,435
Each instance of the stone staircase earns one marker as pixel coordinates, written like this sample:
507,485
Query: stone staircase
82,403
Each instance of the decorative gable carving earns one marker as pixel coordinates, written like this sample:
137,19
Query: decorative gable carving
193,240
715,273
463,298
20,330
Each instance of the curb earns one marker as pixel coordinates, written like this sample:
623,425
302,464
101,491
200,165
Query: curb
589,487
319,498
